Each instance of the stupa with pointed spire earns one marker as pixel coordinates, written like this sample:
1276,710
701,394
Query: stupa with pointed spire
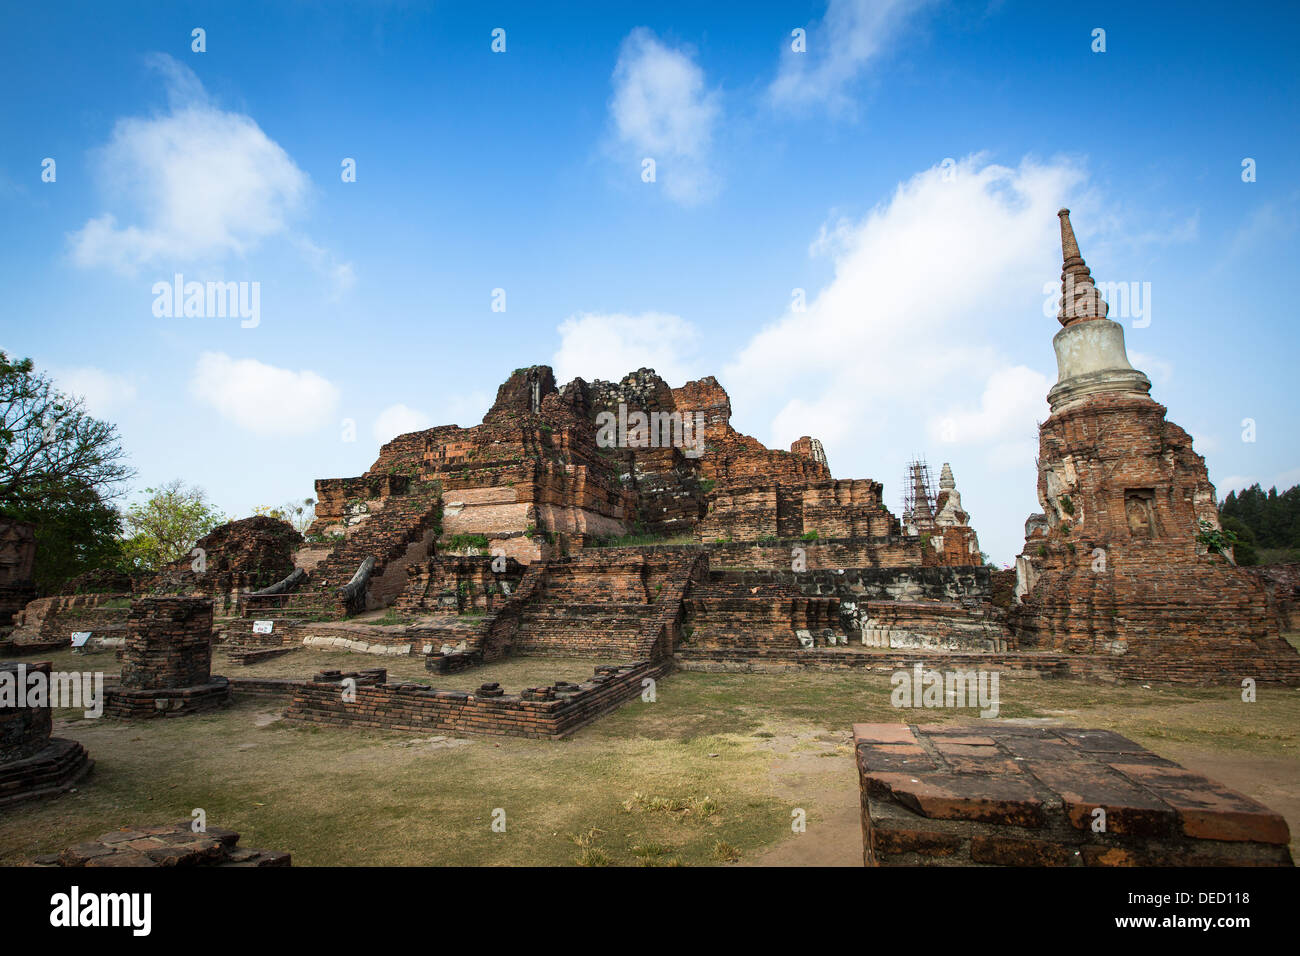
1090,353
1123,560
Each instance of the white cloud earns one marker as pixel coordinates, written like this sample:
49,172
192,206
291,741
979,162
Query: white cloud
663,110
398,420
839,48
103,392
263,399
197,183
931,292
608,346
1159,370
1011,402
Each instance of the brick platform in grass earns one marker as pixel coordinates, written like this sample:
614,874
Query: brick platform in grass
548,712
174,845
1012,795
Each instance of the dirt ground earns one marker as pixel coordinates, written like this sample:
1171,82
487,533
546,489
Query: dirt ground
715,772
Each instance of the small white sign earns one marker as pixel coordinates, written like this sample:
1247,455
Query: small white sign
79,638
263,627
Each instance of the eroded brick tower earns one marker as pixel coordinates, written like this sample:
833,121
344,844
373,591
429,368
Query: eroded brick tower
1116,563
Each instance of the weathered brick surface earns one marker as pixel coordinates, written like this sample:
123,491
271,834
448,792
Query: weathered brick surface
617,602
173,845
23,730
1282,585
457,584
933,624
167,660
168,644
548,712
236,557
1003,794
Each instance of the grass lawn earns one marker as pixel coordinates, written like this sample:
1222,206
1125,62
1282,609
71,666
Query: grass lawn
708,774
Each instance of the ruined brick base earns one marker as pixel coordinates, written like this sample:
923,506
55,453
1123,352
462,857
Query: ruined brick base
1199,672
169,702
546,712
175,845
55,769
1014,795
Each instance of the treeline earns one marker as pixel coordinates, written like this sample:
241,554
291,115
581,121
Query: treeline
1266,523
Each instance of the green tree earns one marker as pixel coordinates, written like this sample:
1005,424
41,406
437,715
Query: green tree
1244,551
49,444
60,469
1272,518
165,528
76,531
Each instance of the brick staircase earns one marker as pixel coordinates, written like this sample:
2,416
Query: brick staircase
387,535
395,535
617,603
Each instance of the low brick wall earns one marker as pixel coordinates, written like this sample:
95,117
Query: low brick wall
169,702
855,582
53,619
547,712
264,688
1201,672
428,637
1008,795
782,661
932,624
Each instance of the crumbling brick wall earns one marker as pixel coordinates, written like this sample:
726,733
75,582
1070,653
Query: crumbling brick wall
168,643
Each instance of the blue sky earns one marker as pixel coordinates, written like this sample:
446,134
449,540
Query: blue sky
924,329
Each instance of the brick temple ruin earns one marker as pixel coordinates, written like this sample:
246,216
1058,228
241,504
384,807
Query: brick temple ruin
630,522
506,538
1120,561
17,560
